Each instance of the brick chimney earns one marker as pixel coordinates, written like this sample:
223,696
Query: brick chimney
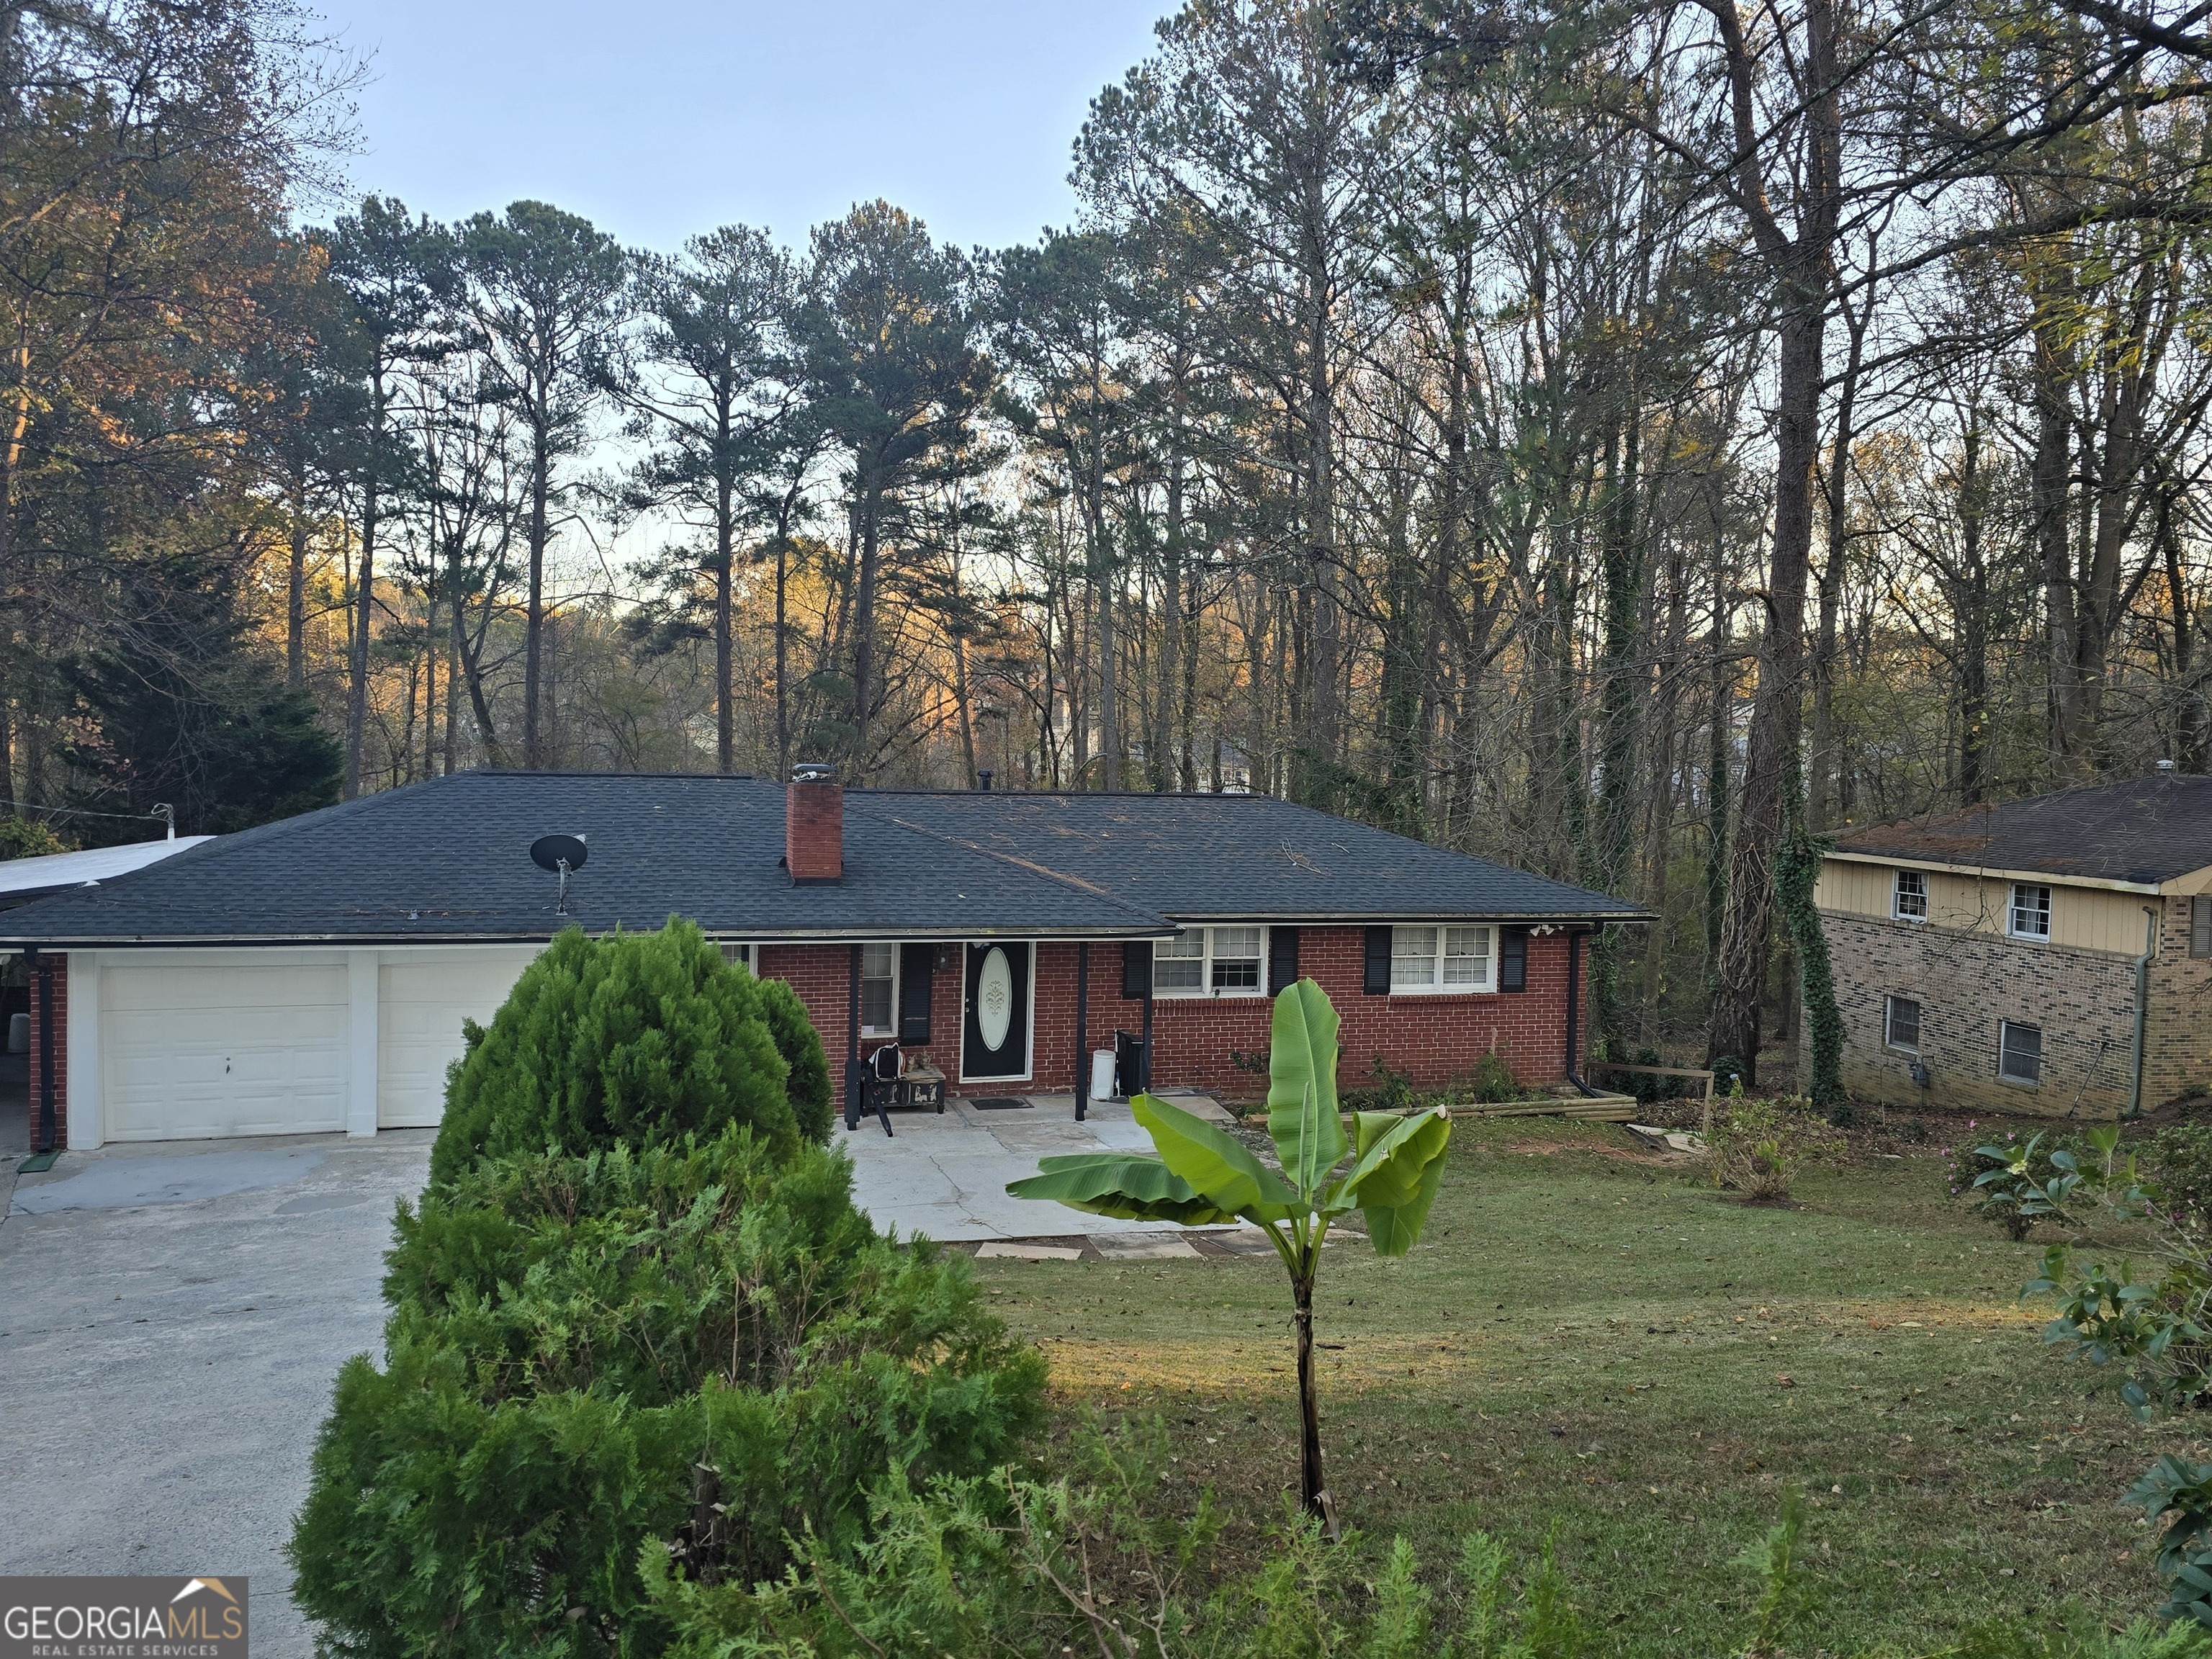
813,825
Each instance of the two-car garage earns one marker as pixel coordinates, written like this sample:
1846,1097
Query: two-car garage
197,1044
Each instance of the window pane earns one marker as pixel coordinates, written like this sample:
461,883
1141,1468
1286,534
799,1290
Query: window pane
1179,963
2030,910
879,960
1466,955
1236,959
879,975
1904,1031
738,954
1912,893
2021,1053
1412,957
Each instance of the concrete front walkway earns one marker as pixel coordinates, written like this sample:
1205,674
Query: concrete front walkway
945,1176
171,1316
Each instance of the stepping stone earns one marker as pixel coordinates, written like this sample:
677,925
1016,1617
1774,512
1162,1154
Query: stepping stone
1141,1247
1020,1252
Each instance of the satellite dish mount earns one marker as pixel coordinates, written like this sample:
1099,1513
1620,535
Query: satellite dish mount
562,855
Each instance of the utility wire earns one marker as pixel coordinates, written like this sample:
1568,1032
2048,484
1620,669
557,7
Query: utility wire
155,817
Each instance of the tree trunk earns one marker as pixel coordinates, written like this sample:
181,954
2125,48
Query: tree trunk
364,596
533,636
864,627
726,729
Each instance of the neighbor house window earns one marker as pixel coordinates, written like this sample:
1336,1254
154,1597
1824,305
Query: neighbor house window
2020,1053
879,988
739,953
1909,902
2030,911
1442,959
1219,960
1901,1024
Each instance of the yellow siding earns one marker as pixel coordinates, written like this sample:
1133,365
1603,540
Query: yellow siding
2087,918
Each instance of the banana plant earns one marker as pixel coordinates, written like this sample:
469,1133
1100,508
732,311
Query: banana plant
1204,1176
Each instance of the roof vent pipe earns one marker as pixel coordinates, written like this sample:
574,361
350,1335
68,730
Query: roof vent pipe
814,825
983,778
2167,766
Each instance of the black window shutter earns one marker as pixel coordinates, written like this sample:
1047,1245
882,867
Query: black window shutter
1136,969
1282,959
917,963
1513,959
1377,979
2200,926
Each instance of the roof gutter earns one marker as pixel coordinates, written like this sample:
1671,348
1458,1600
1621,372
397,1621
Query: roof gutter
778,935
1986,872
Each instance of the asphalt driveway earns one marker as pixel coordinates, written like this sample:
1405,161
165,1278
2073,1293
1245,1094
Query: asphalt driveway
171,1318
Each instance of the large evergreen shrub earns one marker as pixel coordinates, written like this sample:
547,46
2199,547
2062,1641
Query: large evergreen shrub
639,1037
800,1045
702,1343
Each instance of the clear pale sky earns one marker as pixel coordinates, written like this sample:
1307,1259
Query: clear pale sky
658,118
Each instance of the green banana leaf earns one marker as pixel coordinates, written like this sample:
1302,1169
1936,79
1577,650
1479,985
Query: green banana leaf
1301,1116
1120,1184
1217,1166
1393,1179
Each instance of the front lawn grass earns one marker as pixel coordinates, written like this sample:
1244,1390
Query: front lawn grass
1589,1341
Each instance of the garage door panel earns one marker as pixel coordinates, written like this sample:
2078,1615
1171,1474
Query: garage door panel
420,1008
218,1050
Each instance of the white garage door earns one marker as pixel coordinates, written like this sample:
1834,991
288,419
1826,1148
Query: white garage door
197,1051
420,1003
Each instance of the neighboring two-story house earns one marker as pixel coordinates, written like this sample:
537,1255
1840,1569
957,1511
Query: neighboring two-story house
2051,956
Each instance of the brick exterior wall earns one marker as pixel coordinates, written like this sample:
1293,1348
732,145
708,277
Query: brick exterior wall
1436,1039
1967,982
61,1050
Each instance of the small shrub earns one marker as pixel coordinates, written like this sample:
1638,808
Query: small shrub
639,1037
1492,1079
1394,1090
1998,1173
1759,1147
1727,1075
2178,1163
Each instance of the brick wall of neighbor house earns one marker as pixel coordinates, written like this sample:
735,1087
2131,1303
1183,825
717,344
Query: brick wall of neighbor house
1966,983
61,1053
1438,1039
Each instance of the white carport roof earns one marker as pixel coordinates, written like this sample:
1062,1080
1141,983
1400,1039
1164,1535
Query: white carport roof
52,871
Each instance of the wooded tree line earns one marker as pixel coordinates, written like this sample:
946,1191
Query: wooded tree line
1627,438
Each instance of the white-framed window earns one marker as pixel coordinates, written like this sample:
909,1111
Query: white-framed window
1423,959
739,953
2030,914
1221,961
1908,900
2020,1053
879,965
1900,1024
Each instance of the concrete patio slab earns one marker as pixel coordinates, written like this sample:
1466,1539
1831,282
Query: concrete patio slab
944,1174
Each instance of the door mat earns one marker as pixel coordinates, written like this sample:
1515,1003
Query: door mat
37,1162
1001,1103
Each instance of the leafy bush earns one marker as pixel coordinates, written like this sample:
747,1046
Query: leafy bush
1492,1079
2179,1163
807,1087
702,1342
1759,1147
2009,1179
639,1037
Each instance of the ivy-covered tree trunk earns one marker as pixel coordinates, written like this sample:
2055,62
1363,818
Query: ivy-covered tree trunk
1796,872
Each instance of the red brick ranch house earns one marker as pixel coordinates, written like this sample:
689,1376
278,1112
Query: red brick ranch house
312,975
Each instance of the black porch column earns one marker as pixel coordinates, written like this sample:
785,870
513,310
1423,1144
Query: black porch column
1145,1066
853,1084
1081,1028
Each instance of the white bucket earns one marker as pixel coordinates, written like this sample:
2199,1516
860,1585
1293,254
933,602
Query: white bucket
1102,1075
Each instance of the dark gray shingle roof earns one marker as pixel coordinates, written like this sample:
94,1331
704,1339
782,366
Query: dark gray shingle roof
1192,857
449,861
2144,830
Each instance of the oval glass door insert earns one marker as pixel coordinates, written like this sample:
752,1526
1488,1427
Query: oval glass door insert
994,1000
